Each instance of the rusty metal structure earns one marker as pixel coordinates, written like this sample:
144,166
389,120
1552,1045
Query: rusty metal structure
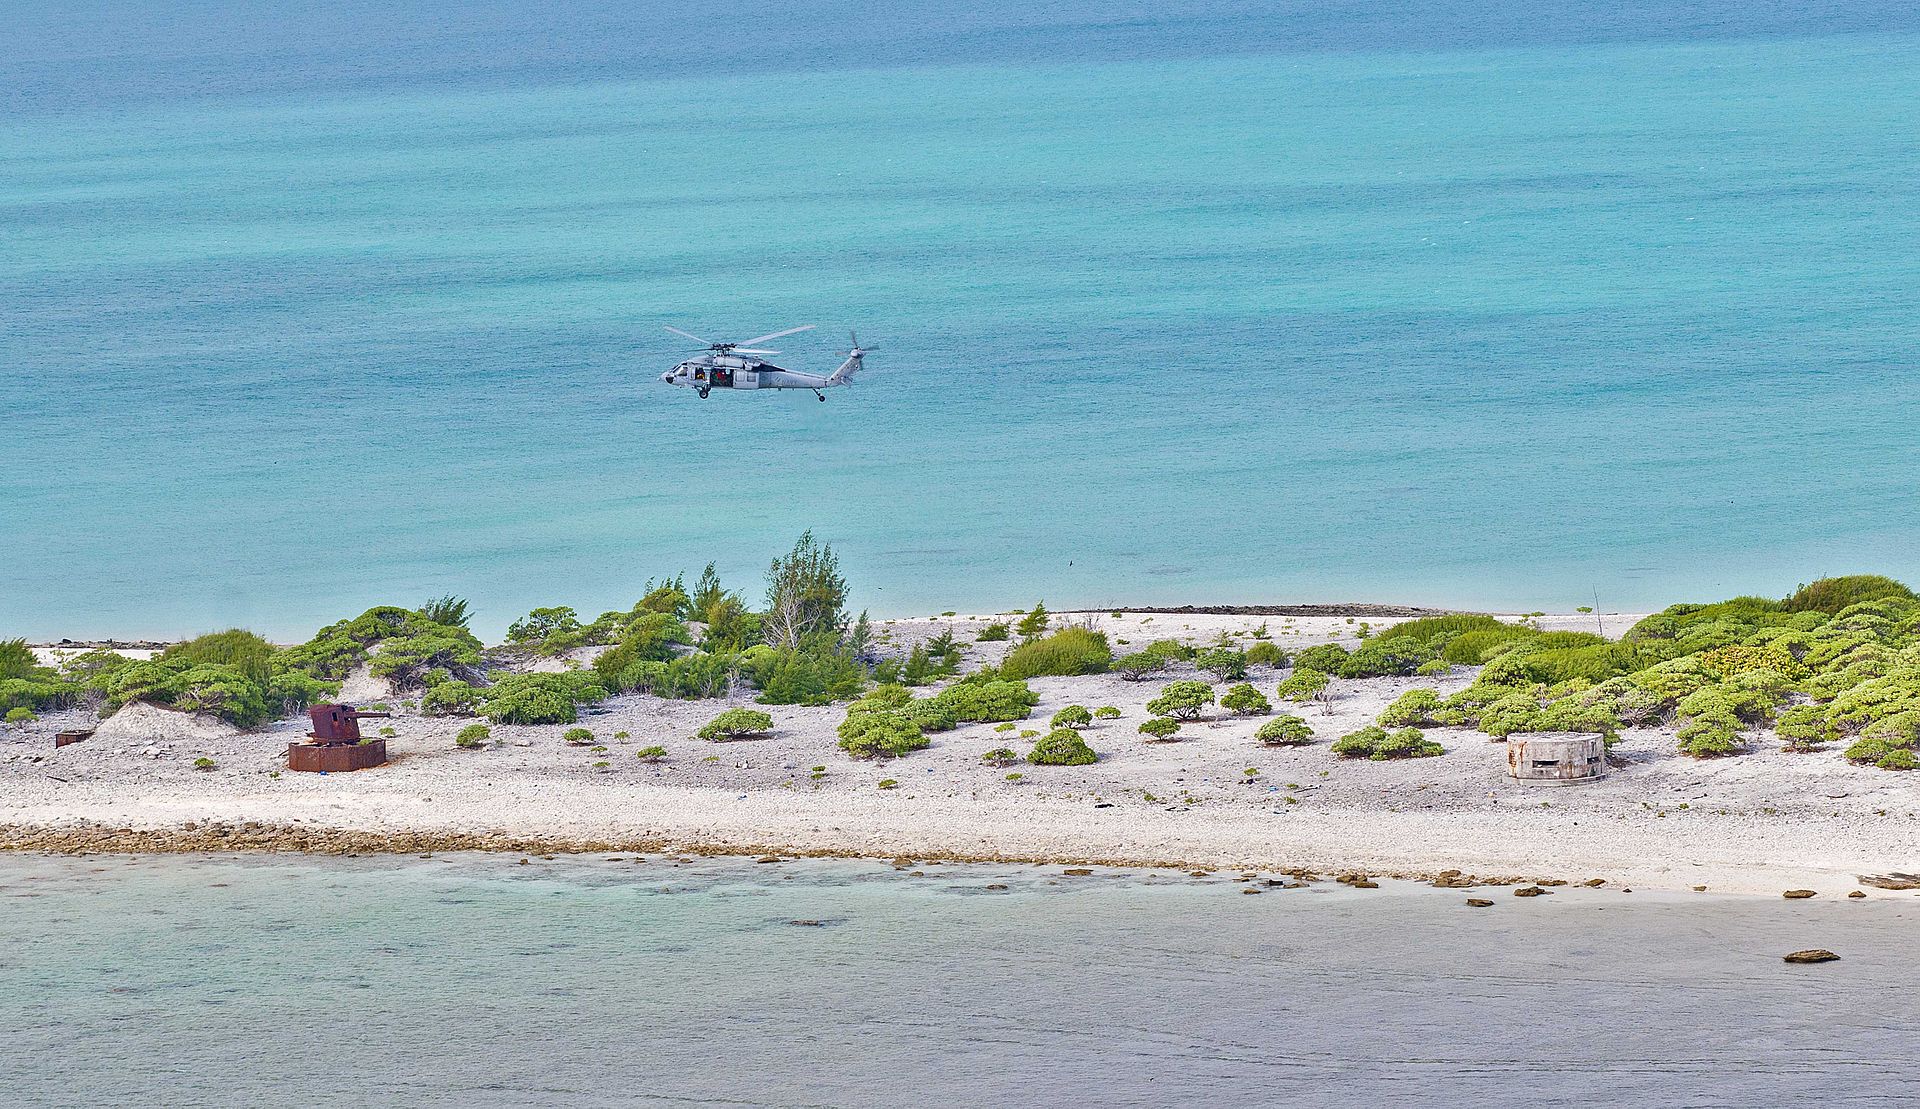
1556,758
77,735
335,744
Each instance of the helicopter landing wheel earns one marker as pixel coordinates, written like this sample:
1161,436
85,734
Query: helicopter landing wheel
820,397
703,394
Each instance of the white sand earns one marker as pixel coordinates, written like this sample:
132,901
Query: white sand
1760,822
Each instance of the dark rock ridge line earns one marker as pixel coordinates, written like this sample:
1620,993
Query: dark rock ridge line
1398,612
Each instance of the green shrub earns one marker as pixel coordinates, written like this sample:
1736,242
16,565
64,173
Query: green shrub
1000,756
1327,658
1170,650
1474,648
1381,657
736,722
1413,708
541,698
1159,727
1266,654
546,631
473,735
1379,745
1429,629
21,715
809,677
987,702
181,683
450,698
992,633
1433,668
1034,623
1106,712
1224,663
1061,747
406,661
1284,731
1184,700
578,737
878,732
651,754
92,669
1135,667
1067,652
1245,700
1302,685
244,651
1073,716
204,763
1831,595
17,660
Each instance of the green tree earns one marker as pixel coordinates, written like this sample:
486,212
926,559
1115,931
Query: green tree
1034,623
450,611
806,596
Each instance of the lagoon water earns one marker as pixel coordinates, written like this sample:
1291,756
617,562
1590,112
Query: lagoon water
477,981
1504,303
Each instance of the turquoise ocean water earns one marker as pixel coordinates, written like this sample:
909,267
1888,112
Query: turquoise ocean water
305,308
475,981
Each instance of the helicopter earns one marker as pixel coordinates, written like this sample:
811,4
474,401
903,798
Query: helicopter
741,365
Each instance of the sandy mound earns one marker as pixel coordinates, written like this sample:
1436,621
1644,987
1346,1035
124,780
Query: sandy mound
361,687
580,657
141,722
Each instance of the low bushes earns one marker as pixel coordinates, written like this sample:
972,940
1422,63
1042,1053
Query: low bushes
1327,658
1184,700
1224,663
1073,716
1136,667
1302,685
473,735
1067,652
1381,657
1245,700
450,698
879,725
737,722
1378,744
541,698
1284,731
1159,727
1266,654
1061,747
1414,708
1833,595
992,633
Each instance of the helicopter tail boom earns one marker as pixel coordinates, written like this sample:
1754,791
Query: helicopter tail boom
852,365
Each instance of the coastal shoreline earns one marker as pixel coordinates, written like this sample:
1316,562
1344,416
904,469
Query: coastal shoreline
1762,822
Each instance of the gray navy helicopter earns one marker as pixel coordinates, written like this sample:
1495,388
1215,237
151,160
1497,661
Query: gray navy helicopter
741,366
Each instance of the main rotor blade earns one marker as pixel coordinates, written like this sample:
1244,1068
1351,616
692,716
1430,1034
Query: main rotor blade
751,350
775,335
690,335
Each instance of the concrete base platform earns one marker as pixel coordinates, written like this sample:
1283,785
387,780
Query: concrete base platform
336,758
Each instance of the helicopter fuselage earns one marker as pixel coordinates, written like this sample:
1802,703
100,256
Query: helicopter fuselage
731,372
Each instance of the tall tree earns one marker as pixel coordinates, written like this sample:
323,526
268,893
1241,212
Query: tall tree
806,596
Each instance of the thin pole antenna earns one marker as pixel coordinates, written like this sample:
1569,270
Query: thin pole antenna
1597,622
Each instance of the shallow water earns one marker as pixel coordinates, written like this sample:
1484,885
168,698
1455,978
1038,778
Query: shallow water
472,980
1179,302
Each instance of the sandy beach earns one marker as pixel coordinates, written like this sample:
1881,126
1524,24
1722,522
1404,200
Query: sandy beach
1760,822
